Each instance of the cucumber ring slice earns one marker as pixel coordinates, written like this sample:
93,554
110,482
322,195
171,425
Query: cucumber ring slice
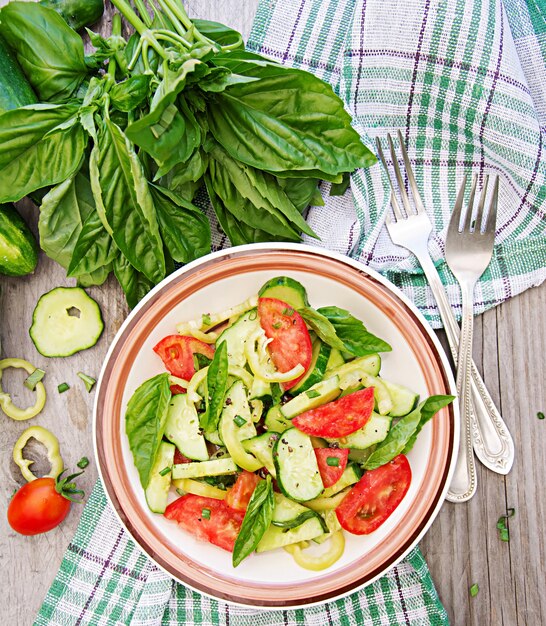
65,321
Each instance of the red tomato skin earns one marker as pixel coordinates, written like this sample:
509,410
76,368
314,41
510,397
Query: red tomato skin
239,495
382,489
291,341
37,507
328,473
177,389
176,352
221,529
180,458
338,418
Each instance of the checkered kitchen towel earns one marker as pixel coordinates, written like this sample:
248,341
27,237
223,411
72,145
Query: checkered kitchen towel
465,80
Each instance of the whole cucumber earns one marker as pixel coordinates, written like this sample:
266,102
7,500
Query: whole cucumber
18,247
77,13
15,90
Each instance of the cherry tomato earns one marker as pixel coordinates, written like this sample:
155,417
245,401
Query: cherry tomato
176,352
330,473
374,497
239,495
338,418
37,507
207,518
291,341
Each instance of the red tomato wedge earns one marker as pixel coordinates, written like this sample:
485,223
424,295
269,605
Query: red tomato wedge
331,463
239,495
338,418
176,352
374,497
207,518
291,343
177,389
180,458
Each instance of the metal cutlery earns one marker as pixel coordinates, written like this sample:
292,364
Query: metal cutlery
411,228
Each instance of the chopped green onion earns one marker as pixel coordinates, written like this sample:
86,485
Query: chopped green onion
63,387
240,421
253,315
205,513
504,532
288,312
474,590
164,471
206,319
540,415
34,379
88,381
332,461
83,462
277,325
312,393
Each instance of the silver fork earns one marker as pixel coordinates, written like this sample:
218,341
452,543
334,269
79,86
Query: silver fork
411,229
469,248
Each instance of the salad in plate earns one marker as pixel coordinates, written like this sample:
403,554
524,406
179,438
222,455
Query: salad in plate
274,427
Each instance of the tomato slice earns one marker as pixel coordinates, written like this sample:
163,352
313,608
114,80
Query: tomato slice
180,458
176,352
219,526
331,463
239,495
291,343
374,497
177,389
338,418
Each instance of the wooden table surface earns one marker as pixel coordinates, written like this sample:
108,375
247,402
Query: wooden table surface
462,546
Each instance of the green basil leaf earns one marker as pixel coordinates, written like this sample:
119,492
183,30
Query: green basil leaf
124,201
322,326
298,520
94,248
257,519
49,51
402,435
95,278
279,123
185,228
40,145
134,284
185,179
302,192
338,189
217,378
219,33
145,419
356,339
131,48
131,93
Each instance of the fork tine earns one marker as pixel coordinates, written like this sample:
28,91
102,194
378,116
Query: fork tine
394,202
456,215
490,224
467,221
481,205
409,171
403,193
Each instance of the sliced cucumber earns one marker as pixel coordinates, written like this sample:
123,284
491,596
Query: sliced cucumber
286,511
371,364
262,448
214,437
335,359
198,469
374,431
331,521
298,474
275,420
315,373
351,475
236,336
286,289
404,400
321,393
65,321
358,377
182,428
361,456
158,488
260,389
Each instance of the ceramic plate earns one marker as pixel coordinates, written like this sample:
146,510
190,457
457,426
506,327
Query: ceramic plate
224,279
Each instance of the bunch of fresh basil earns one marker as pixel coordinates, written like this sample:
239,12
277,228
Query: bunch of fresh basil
124,138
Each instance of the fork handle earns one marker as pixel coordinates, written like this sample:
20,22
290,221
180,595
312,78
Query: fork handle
463,484
492,441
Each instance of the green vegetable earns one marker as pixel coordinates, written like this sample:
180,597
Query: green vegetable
145,419
332,461
18,249
240,421
217,378
15,90
205,513
89,382
63,387
76,13
165,471
502,526
540,415
32,380
257,519
83,462
322,326
474,590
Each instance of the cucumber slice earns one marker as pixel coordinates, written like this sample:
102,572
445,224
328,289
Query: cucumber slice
275,420
335,359
298,474
198,469
260,389
262,448
182,428
286,289
331,521
404,400
315,373
321,393
55,331
374,431
236,336
351,475
158,487
371,364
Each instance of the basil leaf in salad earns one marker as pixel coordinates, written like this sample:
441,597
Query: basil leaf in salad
145,420
257,519
217,378
403,434
322,326
355,337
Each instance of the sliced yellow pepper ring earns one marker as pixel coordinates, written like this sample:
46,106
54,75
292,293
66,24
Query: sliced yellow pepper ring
7,405
51,443
240,372
259,361
199,489
322,561
327,504
194,383
205,322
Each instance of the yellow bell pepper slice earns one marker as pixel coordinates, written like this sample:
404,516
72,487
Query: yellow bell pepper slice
7,405
321,561
187,485
48,439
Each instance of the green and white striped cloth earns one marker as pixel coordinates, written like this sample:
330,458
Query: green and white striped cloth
465,81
